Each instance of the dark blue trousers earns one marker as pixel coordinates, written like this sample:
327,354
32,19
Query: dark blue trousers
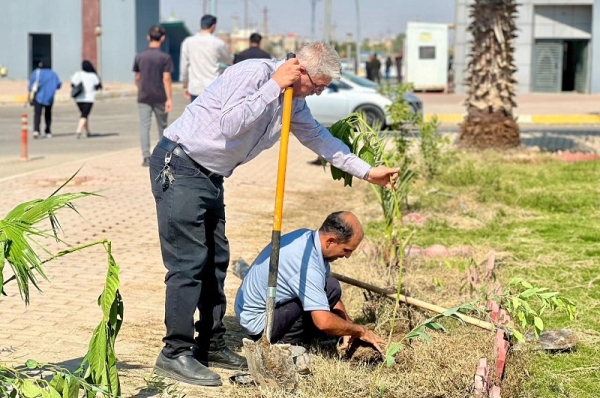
195,252
292,325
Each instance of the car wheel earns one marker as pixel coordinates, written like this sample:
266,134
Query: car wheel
372,114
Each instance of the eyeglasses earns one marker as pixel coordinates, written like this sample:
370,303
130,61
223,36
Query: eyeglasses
316,89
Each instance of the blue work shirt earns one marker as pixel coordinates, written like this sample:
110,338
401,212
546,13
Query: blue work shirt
48,84
302,274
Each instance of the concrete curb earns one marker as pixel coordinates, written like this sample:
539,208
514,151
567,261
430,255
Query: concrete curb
20,99
578,119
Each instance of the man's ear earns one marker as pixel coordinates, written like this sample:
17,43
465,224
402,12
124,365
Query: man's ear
331,241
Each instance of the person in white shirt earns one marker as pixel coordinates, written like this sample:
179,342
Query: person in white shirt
91,83
200,58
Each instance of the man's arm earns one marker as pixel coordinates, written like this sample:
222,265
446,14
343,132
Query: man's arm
138,79
333,324
167,80
317,138
224,55
184,65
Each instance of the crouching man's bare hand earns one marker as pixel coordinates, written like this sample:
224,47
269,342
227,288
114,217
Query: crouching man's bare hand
287,73
369,337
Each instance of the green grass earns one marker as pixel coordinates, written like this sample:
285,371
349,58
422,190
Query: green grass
544,214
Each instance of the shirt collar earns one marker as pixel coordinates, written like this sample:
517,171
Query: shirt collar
317,243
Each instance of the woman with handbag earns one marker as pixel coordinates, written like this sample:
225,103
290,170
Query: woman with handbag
84,85
43,84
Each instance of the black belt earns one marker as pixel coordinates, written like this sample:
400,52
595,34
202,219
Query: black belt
175,149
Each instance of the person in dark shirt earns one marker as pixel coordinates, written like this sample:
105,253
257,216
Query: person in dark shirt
153,70
253,52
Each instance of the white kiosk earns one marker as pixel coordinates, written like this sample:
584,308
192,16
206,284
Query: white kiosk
426,56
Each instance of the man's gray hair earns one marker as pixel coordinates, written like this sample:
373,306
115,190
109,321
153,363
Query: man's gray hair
320,59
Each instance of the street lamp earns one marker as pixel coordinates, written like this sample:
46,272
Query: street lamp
349,50
98,33
357,66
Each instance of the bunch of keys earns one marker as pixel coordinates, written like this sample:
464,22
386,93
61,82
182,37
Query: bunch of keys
165,175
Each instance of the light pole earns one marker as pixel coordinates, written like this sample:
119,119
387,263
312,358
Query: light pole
98,33
349,49
357,66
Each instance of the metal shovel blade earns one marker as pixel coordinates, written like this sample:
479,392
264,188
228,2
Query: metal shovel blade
271,365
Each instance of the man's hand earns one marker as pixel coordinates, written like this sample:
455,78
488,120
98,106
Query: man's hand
346,343
384,176
287,73
370,337
168,106
186,94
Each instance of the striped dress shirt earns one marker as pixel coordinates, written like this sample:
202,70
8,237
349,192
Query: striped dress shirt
239,115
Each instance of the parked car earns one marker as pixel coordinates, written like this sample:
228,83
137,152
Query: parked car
353,93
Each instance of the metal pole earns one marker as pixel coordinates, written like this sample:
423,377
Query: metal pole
357,66
327,21
312,19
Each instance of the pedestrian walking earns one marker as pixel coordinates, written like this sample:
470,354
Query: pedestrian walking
368,70
42,87
86,82
200,58
229,124
399,66
388,68
253,51
153,70
375,69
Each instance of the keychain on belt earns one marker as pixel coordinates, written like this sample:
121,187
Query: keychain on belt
165,175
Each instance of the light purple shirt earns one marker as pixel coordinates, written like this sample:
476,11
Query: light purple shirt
239,115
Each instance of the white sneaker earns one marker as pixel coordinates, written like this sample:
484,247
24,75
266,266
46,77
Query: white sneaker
48,135
36,134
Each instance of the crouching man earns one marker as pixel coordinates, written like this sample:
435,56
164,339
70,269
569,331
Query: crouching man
308,302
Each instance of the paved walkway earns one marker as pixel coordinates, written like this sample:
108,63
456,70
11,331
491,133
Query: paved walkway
57,325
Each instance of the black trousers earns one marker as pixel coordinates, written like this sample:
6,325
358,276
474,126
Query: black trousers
195,251
37,116
292,325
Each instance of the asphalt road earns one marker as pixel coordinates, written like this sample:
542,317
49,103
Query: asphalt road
115,123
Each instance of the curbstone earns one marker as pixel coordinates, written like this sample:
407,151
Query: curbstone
436,251
495,392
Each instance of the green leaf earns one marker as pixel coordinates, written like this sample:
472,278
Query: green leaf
28,389
526,285
390,360
539,324
529,292
393,349
31,364
518,335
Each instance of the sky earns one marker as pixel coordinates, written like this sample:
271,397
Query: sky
379,19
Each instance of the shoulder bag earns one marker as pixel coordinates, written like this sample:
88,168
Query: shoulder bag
77,89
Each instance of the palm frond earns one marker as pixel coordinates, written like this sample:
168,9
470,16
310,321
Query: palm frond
18,233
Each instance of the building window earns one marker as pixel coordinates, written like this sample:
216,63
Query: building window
426,52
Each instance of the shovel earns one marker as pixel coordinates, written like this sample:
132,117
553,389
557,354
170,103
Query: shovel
271,365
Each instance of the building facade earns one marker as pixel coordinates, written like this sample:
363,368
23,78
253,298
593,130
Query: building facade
109,33
557,47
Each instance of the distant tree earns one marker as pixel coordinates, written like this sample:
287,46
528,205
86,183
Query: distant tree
398,43
490,77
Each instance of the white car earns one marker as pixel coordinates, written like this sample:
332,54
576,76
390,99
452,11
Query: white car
350,94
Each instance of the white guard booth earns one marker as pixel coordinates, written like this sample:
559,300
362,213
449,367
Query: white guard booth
426,56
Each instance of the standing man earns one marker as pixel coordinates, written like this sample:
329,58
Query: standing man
200,58
229,124
375,69
399,66
309,302
153,70
253,51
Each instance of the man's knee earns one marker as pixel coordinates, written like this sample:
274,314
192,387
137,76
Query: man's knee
333,289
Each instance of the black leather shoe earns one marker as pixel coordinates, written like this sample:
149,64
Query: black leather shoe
187,369
223,358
